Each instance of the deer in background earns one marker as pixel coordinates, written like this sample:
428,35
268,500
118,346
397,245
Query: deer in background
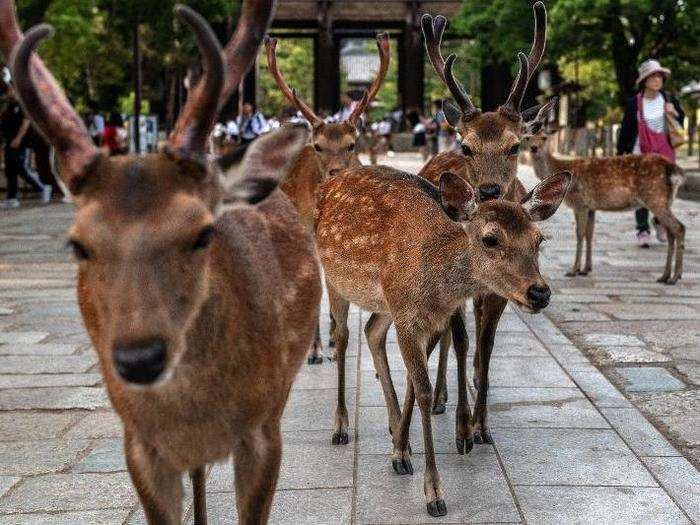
488,160
332,147
620,183
198,285
412,253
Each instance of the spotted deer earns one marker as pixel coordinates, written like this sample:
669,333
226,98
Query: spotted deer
197,285
618,183
332,146
488,160
411,253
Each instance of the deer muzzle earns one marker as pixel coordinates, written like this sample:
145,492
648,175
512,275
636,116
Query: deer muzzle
539,296
142,362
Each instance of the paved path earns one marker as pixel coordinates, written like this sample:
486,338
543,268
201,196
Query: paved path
570,447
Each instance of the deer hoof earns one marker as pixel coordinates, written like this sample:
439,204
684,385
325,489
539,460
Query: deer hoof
402,467
331,343
437,508
663,279
571,274
476,381
438,409
483,437
672,281
340,438
583,273
465,445
315,360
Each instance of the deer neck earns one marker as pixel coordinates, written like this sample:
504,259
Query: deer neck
453,263
542,162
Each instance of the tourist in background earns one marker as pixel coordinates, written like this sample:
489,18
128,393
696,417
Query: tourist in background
96,125
251,123
419,125
645,130
114,136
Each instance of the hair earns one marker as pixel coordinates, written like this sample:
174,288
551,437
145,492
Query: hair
115,120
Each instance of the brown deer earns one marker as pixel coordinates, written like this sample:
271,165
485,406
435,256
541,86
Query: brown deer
412,253
618,183
332,147
198,285
488,160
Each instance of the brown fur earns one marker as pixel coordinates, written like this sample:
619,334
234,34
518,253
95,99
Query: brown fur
616,184
388,245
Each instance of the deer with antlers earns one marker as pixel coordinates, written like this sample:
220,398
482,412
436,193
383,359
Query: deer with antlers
198,285
411,253
488,160
332,146
620,183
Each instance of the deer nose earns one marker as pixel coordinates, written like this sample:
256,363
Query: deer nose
533,149
141,363
539,296
488,192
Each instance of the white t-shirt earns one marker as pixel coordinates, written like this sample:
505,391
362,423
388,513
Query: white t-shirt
654,116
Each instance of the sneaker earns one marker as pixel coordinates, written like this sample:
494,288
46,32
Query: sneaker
46,194
661,235
643,239
9,203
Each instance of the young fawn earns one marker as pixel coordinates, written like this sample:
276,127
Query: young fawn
411,254
198,285
488,160
619,183
332,147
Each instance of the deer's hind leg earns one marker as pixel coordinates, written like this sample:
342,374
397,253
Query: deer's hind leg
199,491
440,397
676,243
341,334
315,353
590,227
581,217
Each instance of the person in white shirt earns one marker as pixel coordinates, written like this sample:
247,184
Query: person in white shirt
251,123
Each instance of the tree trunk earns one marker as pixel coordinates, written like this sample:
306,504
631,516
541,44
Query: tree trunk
138,80
496,82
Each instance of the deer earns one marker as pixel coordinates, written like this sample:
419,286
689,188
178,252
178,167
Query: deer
198,284
619,183
333,147
411,253
488,161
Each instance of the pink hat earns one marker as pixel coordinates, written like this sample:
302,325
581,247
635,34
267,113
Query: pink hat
649,67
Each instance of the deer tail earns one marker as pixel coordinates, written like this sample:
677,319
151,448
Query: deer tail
676,178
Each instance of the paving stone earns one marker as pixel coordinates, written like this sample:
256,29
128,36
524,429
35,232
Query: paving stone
34,426
480,496
65,364
25,458
638,433
22,337
325,375
568,356
64,492
685,429
106,456
613,340
527,372
610,505
649,379
513,344
599,390
92,517
648,311
97,425
569,456
371,392
315,409
681,480
6,483
37,349
48,380
59,398
6,311
630,354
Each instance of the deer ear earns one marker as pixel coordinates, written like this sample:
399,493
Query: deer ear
458,197
452,112
265,163
545,199
534,119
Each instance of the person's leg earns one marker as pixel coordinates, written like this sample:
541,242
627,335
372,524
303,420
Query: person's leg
642,217
26,171
11,173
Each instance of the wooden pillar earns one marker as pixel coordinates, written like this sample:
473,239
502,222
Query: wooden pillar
411,62
496,83
326,64
249,89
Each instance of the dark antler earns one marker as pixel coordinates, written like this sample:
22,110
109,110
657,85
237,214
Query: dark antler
433,31
384,57
198,117
289,93
515,99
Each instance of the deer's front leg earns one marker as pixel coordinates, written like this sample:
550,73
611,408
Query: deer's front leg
590,227
158,485
491,309
581,217
463,432
339,311
256,458
315,352
440,399
414,355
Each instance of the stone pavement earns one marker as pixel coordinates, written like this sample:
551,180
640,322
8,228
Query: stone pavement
570,447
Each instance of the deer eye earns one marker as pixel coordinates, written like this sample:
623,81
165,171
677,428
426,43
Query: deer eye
351,147
204,239
317,147
467,150
490,241
79,251
515,150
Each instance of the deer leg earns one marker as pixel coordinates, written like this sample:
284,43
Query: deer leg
580,216
478,306
256,456
416,362
315,356
676,242
331,330
463,432
199,486
493,307
375,331
440,399
339,310
590,227
158,485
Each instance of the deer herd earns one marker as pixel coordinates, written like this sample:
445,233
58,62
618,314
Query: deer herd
199,278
